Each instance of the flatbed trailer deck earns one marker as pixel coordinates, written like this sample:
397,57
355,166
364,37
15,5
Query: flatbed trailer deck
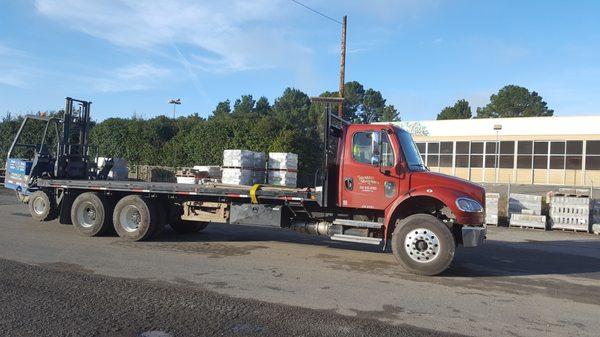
208,189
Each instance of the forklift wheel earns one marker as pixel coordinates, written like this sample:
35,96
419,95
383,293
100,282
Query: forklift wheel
42,206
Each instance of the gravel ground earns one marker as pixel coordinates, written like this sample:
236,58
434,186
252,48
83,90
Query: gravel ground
60,300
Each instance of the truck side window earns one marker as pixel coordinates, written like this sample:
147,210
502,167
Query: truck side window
361,147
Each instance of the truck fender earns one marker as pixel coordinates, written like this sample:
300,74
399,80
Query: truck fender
444,195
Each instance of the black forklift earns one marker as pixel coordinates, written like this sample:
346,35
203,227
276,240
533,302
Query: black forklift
62,152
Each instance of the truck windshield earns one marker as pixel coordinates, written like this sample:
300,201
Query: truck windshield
411,152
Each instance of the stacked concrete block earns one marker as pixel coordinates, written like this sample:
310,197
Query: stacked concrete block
243,167
525,210
282,169
568,212
212,172
491,208
519,202
119,171
528,220
596,217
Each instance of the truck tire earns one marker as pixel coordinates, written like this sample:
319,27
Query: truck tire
135,218
423,245
187,227
91,214
42,206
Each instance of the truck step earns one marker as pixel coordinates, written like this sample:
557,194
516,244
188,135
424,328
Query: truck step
357,239
356,223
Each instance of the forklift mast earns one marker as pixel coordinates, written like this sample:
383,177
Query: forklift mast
72,157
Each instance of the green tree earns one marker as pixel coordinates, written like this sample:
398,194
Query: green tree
372,106
515,101
390,114
262,107
460,110
223,109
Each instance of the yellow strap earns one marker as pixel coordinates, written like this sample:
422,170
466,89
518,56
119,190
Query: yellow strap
253,190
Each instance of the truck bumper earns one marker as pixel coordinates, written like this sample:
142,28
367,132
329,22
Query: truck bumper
473,236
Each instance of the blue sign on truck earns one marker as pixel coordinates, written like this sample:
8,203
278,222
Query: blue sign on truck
17,174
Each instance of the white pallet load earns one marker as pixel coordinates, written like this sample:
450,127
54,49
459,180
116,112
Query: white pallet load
243,167
119,171
187,180
570,213
519,202
491,208
528,221
282,168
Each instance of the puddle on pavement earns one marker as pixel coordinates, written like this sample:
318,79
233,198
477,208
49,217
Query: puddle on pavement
213,250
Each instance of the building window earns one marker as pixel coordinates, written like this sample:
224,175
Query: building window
433,154
490,154
476,159
524,154
462,154
540,148
592,158
446,150
540,162
557,155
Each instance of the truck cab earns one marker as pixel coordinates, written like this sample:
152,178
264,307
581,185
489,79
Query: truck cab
379,177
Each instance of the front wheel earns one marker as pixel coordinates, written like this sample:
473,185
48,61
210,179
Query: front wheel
423,245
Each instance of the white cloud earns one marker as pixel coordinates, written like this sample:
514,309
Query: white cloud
231,35
134,77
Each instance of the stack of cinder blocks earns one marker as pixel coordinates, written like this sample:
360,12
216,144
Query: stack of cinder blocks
243,167
525,211
282,169
571,211
491,208
596,217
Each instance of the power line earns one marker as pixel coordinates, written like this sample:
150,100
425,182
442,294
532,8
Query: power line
316,11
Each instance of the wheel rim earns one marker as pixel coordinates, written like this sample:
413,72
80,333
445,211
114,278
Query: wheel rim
39,206
422,245
86,214
130,218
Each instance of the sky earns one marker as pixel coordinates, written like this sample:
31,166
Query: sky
132,57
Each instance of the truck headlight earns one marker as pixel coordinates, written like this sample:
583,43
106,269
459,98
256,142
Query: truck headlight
468,205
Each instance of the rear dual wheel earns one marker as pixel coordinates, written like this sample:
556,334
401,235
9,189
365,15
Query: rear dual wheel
91,214
136,218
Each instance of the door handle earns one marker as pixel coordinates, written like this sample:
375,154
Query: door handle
348,183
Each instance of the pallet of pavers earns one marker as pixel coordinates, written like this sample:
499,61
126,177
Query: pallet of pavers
243,167
491,208
596,217
282,169
525,211
525,220
570,212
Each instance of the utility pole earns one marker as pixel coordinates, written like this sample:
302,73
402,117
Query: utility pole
342,67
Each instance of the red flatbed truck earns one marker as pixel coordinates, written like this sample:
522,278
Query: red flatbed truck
373,189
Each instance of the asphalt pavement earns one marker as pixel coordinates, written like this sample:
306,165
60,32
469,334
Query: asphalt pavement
242,280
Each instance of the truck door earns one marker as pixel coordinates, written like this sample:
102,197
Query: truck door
369,178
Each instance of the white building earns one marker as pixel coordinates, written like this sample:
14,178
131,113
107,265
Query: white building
529,150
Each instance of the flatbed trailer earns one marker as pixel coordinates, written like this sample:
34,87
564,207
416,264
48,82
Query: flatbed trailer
373,188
